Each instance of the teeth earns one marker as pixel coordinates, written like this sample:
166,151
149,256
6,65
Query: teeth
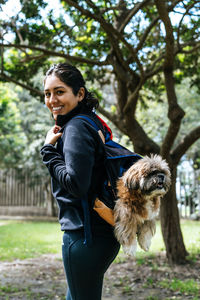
57,108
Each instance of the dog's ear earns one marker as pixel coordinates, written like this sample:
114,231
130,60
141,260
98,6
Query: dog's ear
133,184
130,181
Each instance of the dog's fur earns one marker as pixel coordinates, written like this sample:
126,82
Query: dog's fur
139,193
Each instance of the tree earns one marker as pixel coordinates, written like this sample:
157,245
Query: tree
152,116
22,135
12,139
146,45
22,129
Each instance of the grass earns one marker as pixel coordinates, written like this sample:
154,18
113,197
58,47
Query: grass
21,240
8,289
26,239
185,287
12,292
191,235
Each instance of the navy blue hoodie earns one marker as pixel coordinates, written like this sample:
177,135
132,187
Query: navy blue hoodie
76,166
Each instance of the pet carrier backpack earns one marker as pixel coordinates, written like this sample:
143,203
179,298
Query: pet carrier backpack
117,160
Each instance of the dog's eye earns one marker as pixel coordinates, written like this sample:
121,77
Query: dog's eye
153,173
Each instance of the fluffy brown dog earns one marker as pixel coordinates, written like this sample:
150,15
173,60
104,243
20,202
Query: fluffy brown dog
139,193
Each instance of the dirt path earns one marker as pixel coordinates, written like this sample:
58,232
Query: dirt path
43,278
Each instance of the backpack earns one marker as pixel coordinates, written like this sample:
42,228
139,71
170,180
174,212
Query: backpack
117,160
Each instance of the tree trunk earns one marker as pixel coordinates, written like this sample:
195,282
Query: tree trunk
170,224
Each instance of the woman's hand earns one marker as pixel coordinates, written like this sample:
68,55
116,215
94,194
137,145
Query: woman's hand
52,135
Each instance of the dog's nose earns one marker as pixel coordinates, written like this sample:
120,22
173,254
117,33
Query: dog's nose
161,177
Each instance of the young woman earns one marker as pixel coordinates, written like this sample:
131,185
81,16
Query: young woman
74,153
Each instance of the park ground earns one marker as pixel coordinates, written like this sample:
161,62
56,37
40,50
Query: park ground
147,277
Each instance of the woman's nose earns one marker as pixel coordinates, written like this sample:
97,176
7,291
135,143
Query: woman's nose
52,98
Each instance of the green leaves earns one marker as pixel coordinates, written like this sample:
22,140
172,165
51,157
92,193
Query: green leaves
11,137
24,122
31,9
125,39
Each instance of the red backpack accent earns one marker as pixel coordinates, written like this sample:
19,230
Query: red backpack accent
105,126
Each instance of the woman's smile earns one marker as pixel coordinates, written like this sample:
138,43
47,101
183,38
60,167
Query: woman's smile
57,109
59,97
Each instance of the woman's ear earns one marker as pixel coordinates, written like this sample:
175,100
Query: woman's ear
81,93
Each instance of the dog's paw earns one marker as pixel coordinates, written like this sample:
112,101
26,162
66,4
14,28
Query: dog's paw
152,226
145,240
145,233
130,250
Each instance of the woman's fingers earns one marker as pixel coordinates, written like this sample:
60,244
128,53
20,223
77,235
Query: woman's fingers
56,128
53,135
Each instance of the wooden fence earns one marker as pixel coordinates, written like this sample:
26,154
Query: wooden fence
23,194
188,193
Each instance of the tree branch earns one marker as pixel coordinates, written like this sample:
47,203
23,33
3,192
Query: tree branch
151,71
175,112
91,4
17,31
27,87
142,143
131,13
107,27
132,99
152,24
121,92
153,64
169,38
191,50
186,12
58,54
145,35
122,71
31,57
113,118
2,58
185,144
113,34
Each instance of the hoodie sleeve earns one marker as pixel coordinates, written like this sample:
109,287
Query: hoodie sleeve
74,171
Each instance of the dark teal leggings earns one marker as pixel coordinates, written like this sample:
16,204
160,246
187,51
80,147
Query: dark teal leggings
85,266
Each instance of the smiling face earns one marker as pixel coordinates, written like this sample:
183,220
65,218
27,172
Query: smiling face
59,97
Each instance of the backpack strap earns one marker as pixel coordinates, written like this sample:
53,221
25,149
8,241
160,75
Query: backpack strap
84,201
89,120
106,140
87,222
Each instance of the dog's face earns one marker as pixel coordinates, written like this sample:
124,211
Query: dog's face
149,175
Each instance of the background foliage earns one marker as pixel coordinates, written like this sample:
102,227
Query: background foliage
146,52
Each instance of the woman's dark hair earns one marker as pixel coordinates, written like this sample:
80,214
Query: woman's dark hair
72,77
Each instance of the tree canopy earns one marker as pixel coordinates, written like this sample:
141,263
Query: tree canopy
146,47
146,44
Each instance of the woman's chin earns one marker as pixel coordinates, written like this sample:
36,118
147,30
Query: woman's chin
55,117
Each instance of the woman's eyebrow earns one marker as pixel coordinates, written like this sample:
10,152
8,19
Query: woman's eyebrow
58,87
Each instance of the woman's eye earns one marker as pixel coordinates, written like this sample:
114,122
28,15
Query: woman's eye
47,95
60,92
